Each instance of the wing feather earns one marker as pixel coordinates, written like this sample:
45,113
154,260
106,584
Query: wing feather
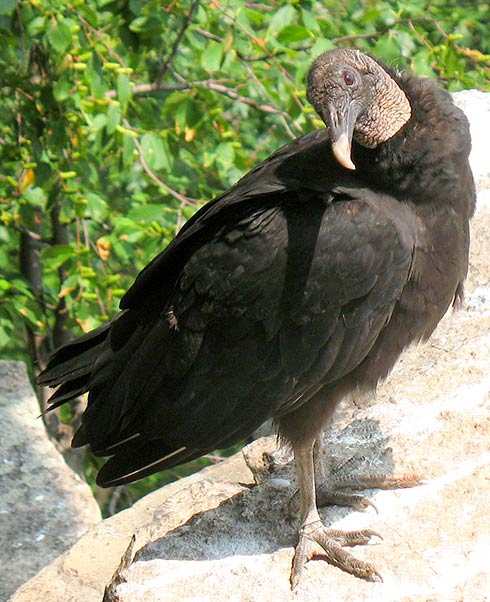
277,288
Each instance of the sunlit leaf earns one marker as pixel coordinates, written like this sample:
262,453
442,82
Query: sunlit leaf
156,151
55,256
148,213
293,33
282,17
7,6
35,196
211,57
113,117
123,91
59,36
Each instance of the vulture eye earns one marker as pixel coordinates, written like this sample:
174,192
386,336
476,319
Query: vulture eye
349,77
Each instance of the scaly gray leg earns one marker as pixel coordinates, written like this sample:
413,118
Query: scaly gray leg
312,530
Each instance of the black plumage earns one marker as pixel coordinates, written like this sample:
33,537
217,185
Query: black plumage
298,286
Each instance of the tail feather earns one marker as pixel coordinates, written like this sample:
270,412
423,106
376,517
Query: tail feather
152,457
71,366
67,391
74,358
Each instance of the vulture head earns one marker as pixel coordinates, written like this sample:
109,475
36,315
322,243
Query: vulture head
357,99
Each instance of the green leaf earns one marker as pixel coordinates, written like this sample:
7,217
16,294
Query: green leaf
128,148
406,42
320,46
7,6
113,117
310,21
387,47
35,196
20,286
26,312
59,36
96,206
225,155
284,16
5,333
211,57
62,89
293,33
99,121
95,77
36,26
123,91
55,256
156,151
421,63
148,213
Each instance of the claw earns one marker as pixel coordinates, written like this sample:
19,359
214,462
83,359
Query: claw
331,542
365,503
376,577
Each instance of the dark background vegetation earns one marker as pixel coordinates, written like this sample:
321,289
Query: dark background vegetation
119,118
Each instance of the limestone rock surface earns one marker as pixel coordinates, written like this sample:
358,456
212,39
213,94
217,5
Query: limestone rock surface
44,506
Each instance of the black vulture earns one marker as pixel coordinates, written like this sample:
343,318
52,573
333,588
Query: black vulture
295,288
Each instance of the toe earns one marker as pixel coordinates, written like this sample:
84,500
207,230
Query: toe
331,542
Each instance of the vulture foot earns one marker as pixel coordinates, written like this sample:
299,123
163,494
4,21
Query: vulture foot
332,541
338,490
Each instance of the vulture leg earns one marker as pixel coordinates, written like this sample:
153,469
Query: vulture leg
318,486
313,531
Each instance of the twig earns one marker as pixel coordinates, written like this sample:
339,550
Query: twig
248,59
209,85
98,35
284,116
231,93
271,55
213,458
419,36
208,34
266,108
180,197
180,35
29,233
259,6
148,88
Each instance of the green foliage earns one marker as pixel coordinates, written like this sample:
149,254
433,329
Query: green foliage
117,118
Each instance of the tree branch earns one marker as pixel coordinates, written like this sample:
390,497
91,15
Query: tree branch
231,93
142,89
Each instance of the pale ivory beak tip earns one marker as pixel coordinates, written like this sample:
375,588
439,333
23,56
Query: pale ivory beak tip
341,150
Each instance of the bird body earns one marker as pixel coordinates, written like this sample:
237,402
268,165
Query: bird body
298,286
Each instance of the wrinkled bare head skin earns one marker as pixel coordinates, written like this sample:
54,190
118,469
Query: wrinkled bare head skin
357,99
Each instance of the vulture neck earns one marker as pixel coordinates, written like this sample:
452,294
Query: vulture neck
389,108
423,160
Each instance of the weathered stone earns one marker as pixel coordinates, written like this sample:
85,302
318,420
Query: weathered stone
476,105
81,574
44,506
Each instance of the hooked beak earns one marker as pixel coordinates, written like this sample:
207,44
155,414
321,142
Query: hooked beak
340,123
